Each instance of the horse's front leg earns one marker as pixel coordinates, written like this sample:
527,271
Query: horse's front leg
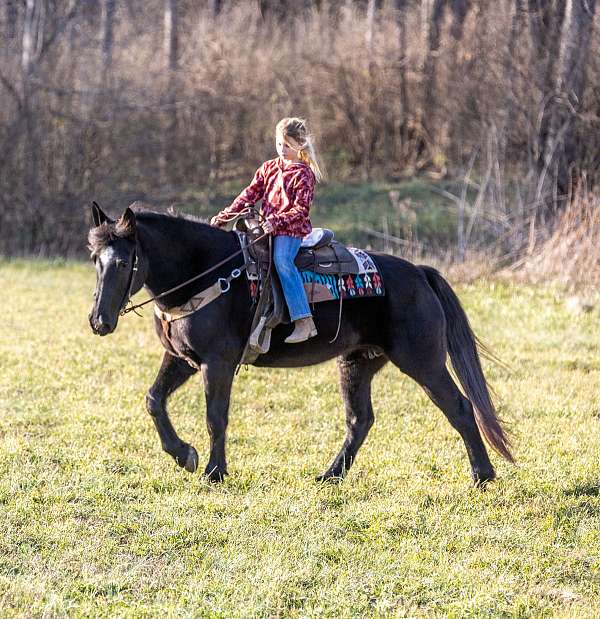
218,378
172,374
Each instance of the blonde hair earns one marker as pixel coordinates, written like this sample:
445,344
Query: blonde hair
295,128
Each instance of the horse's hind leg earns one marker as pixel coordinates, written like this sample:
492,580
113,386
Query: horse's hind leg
356,374
439,386
444,393
172,374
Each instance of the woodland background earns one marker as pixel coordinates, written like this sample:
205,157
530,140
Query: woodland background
494,105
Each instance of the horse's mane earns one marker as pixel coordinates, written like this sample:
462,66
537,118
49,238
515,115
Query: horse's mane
101,236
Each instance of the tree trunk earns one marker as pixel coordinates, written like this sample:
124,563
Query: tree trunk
429,120
12,18
460,8
29,36
215,7
107,36
29,45
368,130
510,61
370,26
171,51
170,37
545,25
560,152
402,63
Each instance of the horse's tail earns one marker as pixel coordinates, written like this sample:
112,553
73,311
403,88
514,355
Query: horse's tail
463,348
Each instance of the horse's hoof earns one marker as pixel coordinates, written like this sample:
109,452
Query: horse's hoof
191,462
215,474
482,479
329,477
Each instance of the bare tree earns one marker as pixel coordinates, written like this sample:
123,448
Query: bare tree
31,36
170,35
171,53
401,6
560,151
215,6
460,9
12,18
107,36
430,69
371,6
545,25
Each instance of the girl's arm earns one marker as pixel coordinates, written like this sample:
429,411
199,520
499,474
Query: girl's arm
252,194
305,191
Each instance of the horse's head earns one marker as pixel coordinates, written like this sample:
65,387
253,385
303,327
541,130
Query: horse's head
114,252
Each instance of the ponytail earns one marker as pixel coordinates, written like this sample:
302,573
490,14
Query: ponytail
308,155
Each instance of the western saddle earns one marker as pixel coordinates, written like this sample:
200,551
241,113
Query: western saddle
319,253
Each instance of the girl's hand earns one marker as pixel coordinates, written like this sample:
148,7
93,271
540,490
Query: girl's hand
267,226
214,221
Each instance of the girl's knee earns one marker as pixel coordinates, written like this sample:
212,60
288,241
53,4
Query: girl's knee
284,264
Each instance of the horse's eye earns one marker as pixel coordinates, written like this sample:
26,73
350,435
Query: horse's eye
121,264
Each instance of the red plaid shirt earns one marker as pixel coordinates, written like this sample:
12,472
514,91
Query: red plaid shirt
286,190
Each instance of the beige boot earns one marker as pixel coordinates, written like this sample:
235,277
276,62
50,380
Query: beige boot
304,328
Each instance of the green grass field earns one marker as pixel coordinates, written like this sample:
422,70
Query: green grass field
96,521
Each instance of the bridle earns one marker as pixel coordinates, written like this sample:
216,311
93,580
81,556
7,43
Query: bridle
127,296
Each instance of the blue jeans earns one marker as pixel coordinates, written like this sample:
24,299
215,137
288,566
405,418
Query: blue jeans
285,249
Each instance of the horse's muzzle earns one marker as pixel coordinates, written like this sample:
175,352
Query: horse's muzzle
99,325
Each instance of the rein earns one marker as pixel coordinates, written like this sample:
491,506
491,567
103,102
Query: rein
133,308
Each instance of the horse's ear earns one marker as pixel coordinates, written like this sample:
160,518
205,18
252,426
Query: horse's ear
127,222
98,215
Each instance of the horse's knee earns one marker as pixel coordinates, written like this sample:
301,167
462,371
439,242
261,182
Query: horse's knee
363,425
154,406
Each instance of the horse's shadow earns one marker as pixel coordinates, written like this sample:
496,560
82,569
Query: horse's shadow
584,489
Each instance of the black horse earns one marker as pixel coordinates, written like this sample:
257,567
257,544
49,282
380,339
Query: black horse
415,326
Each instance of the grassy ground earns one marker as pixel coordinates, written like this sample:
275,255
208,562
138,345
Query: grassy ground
96,520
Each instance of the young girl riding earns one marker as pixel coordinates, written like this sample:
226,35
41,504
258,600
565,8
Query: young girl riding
286,187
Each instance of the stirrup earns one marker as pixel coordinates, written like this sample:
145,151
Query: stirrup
255,337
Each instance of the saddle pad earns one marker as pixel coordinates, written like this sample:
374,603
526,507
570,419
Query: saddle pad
326,287
364,261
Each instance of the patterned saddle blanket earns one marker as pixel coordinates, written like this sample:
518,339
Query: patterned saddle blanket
329,287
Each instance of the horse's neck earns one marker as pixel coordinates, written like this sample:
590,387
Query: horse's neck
175,251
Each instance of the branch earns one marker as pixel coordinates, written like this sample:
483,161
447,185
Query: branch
70,14
12,90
